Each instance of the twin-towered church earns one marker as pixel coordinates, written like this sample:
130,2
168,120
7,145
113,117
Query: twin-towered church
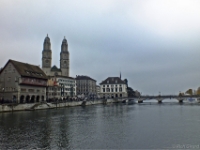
47,59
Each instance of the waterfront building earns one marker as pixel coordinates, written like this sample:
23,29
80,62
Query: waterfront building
61,87
98,90
86,86
22,82
113,87
47,59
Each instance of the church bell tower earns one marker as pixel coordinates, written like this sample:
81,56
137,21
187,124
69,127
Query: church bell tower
64,58
46,56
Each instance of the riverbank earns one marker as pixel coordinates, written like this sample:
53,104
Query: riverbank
44,105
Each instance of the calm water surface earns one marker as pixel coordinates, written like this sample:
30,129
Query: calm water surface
114,126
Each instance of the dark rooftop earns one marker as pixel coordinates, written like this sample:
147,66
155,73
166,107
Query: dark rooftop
55,68
25,69
84,78
113,80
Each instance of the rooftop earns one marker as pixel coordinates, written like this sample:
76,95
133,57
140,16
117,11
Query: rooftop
113,80
25,69
82,77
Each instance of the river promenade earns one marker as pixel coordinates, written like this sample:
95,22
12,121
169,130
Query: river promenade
45,105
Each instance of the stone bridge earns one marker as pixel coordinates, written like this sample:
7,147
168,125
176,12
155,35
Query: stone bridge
160,98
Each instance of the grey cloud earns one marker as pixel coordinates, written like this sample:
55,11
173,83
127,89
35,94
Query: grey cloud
103,40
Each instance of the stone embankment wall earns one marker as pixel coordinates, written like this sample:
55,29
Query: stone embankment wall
38,106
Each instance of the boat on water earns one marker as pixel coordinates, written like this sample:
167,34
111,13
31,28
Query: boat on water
191,99
131,101
128,101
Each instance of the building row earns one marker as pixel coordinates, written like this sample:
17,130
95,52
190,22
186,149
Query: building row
25,83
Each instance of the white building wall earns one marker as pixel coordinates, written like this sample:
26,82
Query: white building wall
109,93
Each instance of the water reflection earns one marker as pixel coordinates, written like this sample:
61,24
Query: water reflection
112,126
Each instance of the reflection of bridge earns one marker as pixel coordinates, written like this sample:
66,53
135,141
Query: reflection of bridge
160,98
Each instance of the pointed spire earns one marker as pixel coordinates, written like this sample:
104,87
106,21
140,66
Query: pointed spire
47,43
64,40
47,34
64,46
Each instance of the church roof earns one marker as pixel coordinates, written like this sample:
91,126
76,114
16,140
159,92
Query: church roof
28,70
113,80
55,68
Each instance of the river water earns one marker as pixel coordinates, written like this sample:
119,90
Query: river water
149,125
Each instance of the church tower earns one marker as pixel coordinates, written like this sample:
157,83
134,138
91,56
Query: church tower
64,58
46,56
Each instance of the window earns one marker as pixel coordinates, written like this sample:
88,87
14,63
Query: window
103,89
120,89
8,79
107,85
23,90
115,89
107,90
111,89
31,90
115,81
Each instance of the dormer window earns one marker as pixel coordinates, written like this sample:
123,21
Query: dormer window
108,81
115,81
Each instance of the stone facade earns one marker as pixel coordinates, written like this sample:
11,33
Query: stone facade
98,90
113,87
47,59
22,82
86,86
61,87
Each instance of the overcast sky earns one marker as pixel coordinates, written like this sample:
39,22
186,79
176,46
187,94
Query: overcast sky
154,43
